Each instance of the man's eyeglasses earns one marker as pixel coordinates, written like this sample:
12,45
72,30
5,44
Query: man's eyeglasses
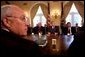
23,18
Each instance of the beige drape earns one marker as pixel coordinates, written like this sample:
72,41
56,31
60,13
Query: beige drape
79,6
66,9
45,10
34,11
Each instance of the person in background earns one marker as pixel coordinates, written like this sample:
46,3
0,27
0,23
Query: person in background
77,28
68,29
38,28
77,46
45,29
13,29
54,29
63,26
68,35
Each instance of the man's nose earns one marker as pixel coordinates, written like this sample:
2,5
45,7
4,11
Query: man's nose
27,21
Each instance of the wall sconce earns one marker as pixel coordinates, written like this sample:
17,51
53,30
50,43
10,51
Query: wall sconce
55,14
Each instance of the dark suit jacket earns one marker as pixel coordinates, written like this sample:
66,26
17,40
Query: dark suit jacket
11,44
37,29
77,46
44,30
65,30
54,30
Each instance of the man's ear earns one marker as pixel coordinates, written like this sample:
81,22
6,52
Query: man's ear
7,22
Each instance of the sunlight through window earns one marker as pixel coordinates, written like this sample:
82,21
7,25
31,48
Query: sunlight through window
39,17
74,16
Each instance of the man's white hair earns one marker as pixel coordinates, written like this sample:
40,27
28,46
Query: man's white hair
7,10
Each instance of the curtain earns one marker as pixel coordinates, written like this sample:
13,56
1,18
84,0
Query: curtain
35,8
34,11
80,8
79,5
61,9
66,9
44,10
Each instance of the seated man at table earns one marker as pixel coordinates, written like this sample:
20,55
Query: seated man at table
45,29
77,28
38,28
68,34
77,47
54,29
13,29
68,29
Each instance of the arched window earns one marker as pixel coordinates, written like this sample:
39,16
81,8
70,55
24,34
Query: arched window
74,16
39,17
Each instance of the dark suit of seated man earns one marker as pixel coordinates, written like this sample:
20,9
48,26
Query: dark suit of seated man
38,28
54,29
44,29
77,47
68,29
65,32
13,29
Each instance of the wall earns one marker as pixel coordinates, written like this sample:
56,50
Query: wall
55,8
27,6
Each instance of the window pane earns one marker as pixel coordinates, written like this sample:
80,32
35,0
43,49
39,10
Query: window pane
74,16
39,17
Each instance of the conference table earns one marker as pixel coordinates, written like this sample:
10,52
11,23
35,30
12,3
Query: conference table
53,44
